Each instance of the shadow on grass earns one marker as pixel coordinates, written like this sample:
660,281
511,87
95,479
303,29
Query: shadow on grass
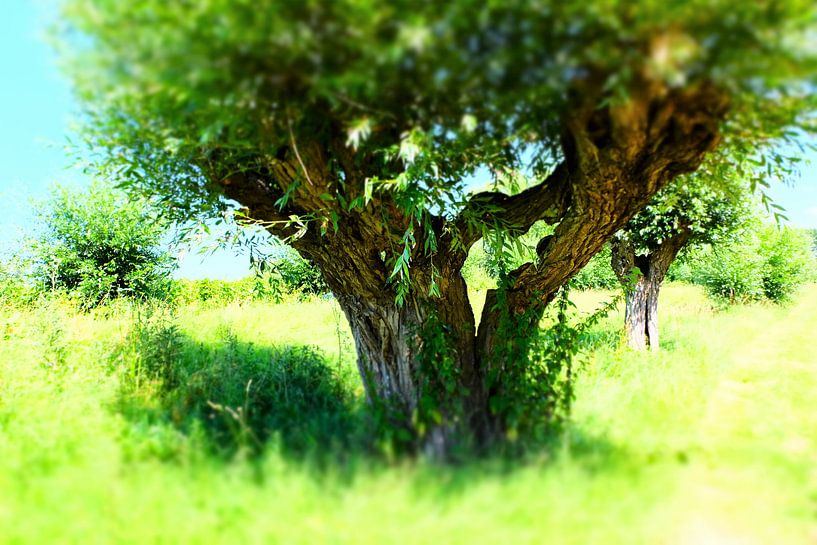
185,399
231,397
588,453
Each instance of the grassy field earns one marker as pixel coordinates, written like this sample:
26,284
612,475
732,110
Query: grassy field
711,441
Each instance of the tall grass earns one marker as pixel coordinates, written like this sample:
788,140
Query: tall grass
206,425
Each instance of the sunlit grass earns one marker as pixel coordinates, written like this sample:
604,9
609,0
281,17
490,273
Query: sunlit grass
712,440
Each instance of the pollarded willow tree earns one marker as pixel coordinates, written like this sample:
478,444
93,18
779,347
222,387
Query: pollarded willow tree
692,210
349,128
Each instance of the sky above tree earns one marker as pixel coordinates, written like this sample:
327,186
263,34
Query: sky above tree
35,126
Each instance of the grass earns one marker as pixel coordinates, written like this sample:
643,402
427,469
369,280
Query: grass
712,440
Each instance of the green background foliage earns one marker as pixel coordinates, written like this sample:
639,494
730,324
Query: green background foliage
762,261
98,245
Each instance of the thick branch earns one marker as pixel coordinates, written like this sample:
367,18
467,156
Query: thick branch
256,192
662,256
611,177
654,264
547,201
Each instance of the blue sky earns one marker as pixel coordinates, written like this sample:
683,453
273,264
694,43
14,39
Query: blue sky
35,118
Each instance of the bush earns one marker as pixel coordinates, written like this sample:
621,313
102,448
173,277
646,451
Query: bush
213,292
732,273
788,261
766,263
96,245
297,274
14,289
287,276
476,271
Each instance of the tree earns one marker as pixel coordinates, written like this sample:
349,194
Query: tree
98,245
349,129
689,211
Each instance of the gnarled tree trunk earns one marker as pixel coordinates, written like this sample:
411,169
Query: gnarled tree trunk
641,306
389,341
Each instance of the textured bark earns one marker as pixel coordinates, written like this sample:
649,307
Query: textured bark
641,307
635,315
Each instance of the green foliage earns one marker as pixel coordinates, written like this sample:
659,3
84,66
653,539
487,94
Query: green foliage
733,273
439,376
216,293
482,268
14,288
96,245
297,274
531,369
530,376
707,205
179,99
475,271
597,274
788,263
765,263
500,251
287,276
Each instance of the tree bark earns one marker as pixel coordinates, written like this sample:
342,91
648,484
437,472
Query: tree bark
641,299
390,344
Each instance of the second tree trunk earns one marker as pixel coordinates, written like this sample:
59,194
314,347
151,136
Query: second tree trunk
643,287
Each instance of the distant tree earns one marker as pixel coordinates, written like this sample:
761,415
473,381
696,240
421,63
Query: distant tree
97,245
685,213
350,127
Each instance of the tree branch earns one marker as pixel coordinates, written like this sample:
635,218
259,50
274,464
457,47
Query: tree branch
547,201
611,184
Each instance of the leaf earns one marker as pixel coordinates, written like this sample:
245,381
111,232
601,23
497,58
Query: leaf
358,132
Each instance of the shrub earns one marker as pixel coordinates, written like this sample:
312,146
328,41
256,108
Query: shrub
732,273
14,289
215,292
281,279
766,262
788,261
96,245
476,271
298,275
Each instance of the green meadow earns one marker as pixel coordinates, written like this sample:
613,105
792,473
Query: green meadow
244,424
